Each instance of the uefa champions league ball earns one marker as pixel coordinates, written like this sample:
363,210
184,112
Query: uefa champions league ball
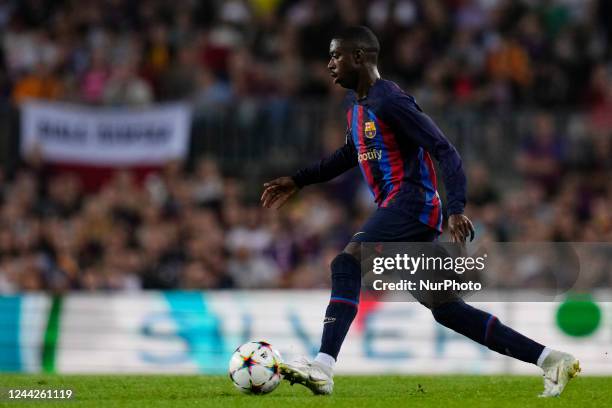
255,368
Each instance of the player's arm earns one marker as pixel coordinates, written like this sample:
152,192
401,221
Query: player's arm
405,116
277,192
340,161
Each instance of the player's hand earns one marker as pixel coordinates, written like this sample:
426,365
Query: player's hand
460,228
277,192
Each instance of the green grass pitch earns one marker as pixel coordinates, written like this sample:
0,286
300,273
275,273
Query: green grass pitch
358,391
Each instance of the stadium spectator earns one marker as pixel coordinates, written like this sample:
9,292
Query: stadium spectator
543,153
41,83
125,87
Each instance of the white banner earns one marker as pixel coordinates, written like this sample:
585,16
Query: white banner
67,133
196,332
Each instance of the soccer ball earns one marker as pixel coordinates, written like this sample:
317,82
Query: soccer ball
254,368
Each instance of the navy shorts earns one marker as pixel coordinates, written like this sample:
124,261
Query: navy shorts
392,225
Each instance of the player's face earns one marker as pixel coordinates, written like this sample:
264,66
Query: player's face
342,65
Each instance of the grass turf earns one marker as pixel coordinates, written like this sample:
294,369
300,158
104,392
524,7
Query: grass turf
360,391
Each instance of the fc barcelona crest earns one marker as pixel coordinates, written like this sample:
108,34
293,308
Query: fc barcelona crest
370,129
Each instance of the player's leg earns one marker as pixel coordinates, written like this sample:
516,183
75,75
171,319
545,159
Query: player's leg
341,311
451,311
384,225
343,303
487,330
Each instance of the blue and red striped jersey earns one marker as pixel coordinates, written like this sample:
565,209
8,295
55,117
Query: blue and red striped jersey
392,141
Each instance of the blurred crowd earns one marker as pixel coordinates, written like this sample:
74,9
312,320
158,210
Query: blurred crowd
501,53
194,228
169,230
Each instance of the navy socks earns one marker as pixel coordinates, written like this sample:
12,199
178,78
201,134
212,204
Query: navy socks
487,330
342,308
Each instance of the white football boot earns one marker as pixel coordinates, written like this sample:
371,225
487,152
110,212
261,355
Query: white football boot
558,368
312,374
